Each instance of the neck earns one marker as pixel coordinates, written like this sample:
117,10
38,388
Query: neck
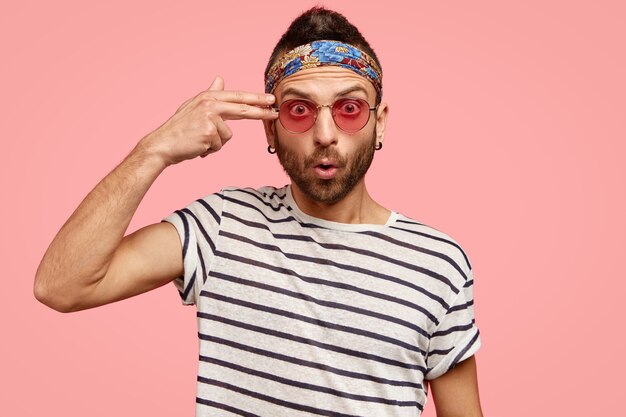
355,208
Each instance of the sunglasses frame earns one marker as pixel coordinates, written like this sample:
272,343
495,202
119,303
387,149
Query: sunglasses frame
330,106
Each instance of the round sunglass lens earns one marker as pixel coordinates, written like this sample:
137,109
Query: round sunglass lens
351,114
297,115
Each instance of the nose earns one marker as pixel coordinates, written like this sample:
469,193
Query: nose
325,129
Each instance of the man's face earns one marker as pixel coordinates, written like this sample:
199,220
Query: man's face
325,163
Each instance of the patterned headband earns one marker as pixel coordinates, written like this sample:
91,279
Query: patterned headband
322,53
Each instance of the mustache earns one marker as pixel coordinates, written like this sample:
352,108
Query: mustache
325,153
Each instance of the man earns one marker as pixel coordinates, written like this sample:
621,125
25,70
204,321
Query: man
313,299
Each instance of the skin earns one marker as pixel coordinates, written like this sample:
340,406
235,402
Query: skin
455,393
324,85
351,170
91,263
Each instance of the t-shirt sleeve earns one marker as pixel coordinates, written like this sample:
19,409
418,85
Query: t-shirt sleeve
456,338
198,228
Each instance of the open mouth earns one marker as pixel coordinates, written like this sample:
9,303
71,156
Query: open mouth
325,171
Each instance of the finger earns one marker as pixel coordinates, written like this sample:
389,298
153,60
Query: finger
197,96
223,130
223,135
235,111
217,84
244,97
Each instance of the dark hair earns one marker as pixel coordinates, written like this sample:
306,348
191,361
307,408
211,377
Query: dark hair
319,23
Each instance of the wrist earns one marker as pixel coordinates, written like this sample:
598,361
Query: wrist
147,153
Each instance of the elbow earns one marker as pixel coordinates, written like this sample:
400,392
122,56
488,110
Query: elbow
49,298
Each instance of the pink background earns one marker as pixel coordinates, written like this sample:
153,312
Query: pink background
507,130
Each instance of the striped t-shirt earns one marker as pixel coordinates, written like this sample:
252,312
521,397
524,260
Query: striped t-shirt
299,316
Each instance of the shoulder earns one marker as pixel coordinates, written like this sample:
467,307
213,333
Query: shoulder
438,249
209,212
263,198
431,237
244,194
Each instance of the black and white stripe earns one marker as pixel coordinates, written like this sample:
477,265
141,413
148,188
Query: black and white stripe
299,316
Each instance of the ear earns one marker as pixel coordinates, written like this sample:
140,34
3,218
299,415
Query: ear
270,131
381,121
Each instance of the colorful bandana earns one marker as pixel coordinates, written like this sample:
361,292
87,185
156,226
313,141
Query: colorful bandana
322,53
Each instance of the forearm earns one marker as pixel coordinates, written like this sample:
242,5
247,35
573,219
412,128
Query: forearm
89,255
79,255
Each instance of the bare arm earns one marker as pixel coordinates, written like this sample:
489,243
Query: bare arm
90,262
456,392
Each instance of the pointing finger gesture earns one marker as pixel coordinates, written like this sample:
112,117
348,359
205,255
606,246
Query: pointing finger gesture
199,127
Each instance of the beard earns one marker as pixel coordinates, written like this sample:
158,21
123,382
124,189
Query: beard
327,190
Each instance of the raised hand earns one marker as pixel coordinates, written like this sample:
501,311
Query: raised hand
199,126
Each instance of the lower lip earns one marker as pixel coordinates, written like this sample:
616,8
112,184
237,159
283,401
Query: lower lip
325,174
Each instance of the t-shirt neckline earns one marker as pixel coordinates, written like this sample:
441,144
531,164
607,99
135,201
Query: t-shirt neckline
350,227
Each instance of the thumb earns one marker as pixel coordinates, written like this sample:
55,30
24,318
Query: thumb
217,84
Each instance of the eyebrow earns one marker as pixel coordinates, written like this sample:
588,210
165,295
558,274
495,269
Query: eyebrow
347,90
